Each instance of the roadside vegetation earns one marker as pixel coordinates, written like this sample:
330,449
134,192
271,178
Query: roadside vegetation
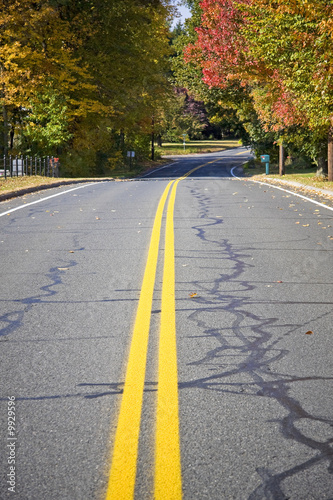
301,174
269,67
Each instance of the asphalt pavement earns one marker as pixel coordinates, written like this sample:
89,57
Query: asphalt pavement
212,290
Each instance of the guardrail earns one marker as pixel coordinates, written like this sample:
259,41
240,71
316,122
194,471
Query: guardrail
16,166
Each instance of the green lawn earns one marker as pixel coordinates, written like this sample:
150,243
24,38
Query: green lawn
302,175
191,147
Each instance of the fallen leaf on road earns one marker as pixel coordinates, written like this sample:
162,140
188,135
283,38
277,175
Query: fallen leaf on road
71,251
97,218
309,332
279,281
305,225
193,294
63,268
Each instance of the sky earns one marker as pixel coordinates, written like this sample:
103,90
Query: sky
184,12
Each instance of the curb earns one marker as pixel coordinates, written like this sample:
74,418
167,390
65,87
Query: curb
42,187
297,185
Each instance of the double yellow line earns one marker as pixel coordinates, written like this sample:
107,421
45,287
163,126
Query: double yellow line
167,452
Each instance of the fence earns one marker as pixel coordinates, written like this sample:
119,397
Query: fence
15,166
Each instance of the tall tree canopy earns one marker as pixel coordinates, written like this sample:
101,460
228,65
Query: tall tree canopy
279,52
69,67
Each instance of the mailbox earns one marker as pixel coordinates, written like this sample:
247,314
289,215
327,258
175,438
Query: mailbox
265,159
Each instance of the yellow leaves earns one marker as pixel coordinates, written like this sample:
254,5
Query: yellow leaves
36,44
193,295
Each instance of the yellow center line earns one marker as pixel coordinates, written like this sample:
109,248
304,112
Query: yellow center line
168,484
168,480
123,469
121,482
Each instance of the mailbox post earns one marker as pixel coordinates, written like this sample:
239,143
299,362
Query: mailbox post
265,159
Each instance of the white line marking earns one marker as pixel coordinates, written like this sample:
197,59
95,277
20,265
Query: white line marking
282,189
44,199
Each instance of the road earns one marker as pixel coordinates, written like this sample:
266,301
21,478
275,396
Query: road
167,337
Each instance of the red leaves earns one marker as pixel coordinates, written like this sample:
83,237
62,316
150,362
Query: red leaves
220,46
281,50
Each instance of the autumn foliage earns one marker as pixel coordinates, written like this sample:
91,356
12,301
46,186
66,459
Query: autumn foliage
81,78
280,51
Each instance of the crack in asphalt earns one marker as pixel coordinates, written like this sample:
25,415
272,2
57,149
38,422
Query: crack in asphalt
258,348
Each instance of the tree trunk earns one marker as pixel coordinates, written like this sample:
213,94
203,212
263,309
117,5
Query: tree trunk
282,169
12,133
330,155
321,167
152,139
122,139
5,129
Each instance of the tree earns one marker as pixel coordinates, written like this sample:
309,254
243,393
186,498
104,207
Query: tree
297,50
38,66
65,64
181,115
279,51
